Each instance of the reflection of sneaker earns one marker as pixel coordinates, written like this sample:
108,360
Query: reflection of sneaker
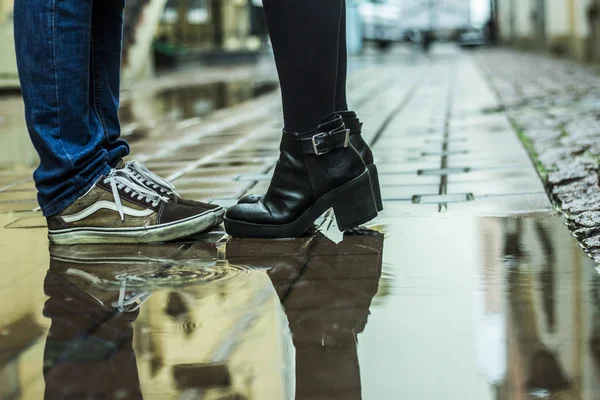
118,267
112,285
89,349
143,175
118,210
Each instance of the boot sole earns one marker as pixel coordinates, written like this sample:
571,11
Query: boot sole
158,233
375,186
349,202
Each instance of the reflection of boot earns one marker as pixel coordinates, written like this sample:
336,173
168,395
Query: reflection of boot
541,363
595,336
546,373
89,351
513,252
285,259
326,290
327,308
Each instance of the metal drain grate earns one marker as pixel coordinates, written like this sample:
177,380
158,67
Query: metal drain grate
442,198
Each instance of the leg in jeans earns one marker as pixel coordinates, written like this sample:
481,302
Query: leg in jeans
305,35
69,54
105,73
53,43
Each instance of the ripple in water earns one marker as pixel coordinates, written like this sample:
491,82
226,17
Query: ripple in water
169,276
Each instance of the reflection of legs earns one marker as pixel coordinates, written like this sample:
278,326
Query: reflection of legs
305,37
542,366
53,52
327,305
89,349
105,71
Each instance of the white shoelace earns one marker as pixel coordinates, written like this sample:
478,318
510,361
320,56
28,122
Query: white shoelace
135,301
120,180
149,178
126,302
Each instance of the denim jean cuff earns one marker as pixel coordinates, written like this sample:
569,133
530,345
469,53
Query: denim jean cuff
56,208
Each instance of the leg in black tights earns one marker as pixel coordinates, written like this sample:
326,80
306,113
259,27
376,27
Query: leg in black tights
305,36
341,103
317,169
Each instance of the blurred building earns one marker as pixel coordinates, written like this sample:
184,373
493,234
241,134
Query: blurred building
8,64
210,30
563,27
184,28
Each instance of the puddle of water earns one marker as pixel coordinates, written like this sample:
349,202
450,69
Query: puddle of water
140,114
186,103
488,308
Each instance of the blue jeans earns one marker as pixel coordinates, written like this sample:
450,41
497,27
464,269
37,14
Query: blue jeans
69,60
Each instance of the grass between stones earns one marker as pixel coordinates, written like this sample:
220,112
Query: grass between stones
541,169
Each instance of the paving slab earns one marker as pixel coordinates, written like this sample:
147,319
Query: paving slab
465,279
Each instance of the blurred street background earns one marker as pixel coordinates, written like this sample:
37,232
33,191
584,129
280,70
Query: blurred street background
478,281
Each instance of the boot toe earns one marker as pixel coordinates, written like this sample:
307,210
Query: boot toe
250,199
255,213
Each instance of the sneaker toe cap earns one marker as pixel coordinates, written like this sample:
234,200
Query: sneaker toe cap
176,212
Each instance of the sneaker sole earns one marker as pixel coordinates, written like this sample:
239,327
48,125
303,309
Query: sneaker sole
158,233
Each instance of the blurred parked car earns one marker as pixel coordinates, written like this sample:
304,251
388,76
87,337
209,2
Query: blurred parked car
381,22
472,38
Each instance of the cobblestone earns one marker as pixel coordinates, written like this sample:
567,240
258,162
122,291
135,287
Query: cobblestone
555,106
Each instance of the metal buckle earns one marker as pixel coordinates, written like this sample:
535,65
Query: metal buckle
347,140
315,145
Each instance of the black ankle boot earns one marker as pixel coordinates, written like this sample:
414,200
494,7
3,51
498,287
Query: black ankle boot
353,123
356,140
316,171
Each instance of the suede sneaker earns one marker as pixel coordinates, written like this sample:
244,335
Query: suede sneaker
118,210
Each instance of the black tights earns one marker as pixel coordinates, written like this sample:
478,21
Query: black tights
309,42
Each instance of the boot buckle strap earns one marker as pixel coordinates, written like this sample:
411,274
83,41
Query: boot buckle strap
323,142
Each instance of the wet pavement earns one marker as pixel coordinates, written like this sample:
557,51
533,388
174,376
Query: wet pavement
467,286
555,106
504,308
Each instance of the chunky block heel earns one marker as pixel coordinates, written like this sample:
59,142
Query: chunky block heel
375,185
354,203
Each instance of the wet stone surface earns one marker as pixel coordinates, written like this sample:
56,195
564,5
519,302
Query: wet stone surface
374,316
477,288
555,106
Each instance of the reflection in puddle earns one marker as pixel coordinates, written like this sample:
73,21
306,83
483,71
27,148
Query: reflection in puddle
180,104
89,349
198,101
139,114
503,309
283,326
